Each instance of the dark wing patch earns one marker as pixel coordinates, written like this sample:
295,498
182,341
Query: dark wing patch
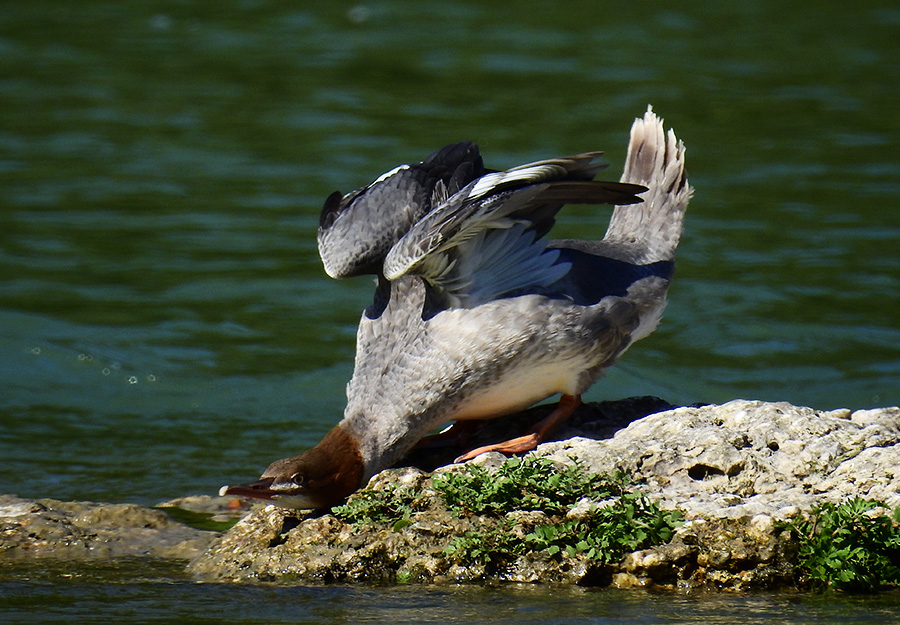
330,210
594,277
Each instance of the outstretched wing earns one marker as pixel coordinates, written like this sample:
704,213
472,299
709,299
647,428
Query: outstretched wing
486,241
356,230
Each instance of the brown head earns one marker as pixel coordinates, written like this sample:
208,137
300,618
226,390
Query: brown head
319,478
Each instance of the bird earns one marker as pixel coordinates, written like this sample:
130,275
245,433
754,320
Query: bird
476,314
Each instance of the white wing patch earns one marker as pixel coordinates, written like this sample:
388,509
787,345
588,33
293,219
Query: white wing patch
388,174
532,174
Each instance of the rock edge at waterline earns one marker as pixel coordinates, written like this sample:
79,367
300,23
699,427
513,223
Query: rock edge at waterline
733,471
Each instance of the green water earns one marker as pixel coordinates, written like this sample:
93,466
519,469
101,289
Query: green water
157,596
165,324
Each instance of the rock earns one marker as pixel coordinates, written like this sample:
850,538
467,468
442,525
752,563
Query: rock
734,471
47,528
746,458
220,509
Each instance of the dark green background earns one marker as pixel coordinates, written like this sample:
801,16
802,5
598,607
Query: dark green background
166,325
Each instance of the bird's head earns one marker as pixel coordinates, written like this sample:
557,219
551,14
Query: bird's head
319,478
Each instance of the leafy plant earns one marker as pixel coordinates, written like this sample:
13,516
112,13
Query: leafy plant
846,548
493,545
523,484
393,505
606,534
628,522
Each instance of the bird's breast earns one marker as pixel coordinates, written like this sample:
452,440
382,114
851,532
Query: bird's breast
521,386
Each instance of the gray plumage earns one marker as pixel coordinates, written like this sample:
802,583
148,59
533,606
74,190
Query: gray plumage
476,316
356,230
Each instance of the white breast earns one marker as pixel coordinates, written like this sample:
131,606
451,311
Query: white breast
520,388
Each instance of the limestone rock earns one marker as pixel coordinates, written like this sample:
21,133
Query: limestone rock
746,458
65,530
733,470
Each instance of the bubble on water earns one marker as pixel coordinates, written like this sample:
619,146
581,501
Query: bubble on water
85,357
105,371
35,350
132,379
151,378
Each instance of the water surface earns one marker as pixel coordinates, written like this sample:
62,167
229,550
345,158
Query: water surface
157,595
166,326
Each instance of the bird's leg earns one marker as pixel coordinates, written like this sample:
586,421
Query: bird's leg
457,435
568,404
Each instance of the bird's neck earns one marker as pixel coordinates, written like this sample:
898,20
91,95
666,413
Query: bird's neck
383,442
339,451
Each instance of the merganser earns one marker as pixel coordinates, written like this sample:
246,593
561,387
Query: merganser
475,314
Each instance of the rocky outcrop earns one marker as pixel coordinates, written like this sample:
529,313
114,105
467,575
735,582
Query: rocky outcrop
749,457
734,472
47,529
275,545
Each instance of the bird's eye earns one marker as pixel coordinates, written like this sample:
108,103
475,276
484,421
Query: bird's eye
298,479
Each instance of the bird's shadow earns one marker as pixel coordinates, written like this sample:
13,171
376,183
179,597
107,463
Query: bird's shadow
597,420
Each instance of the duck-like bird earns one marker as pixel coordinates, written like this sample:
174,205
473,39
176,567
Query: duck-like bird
476,315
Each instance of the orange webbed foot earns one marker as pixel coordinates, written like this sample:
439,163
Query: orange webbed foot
568,404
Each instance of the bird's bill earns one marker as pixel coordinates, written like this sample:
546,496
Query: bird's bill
254,490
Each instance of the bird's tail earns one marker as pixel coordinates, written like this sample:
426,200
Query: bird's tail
651,230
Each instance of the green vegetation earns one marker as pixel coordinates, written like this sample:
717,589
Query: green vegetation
627,521
845,547
394,506
623,522
606,534
523,484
